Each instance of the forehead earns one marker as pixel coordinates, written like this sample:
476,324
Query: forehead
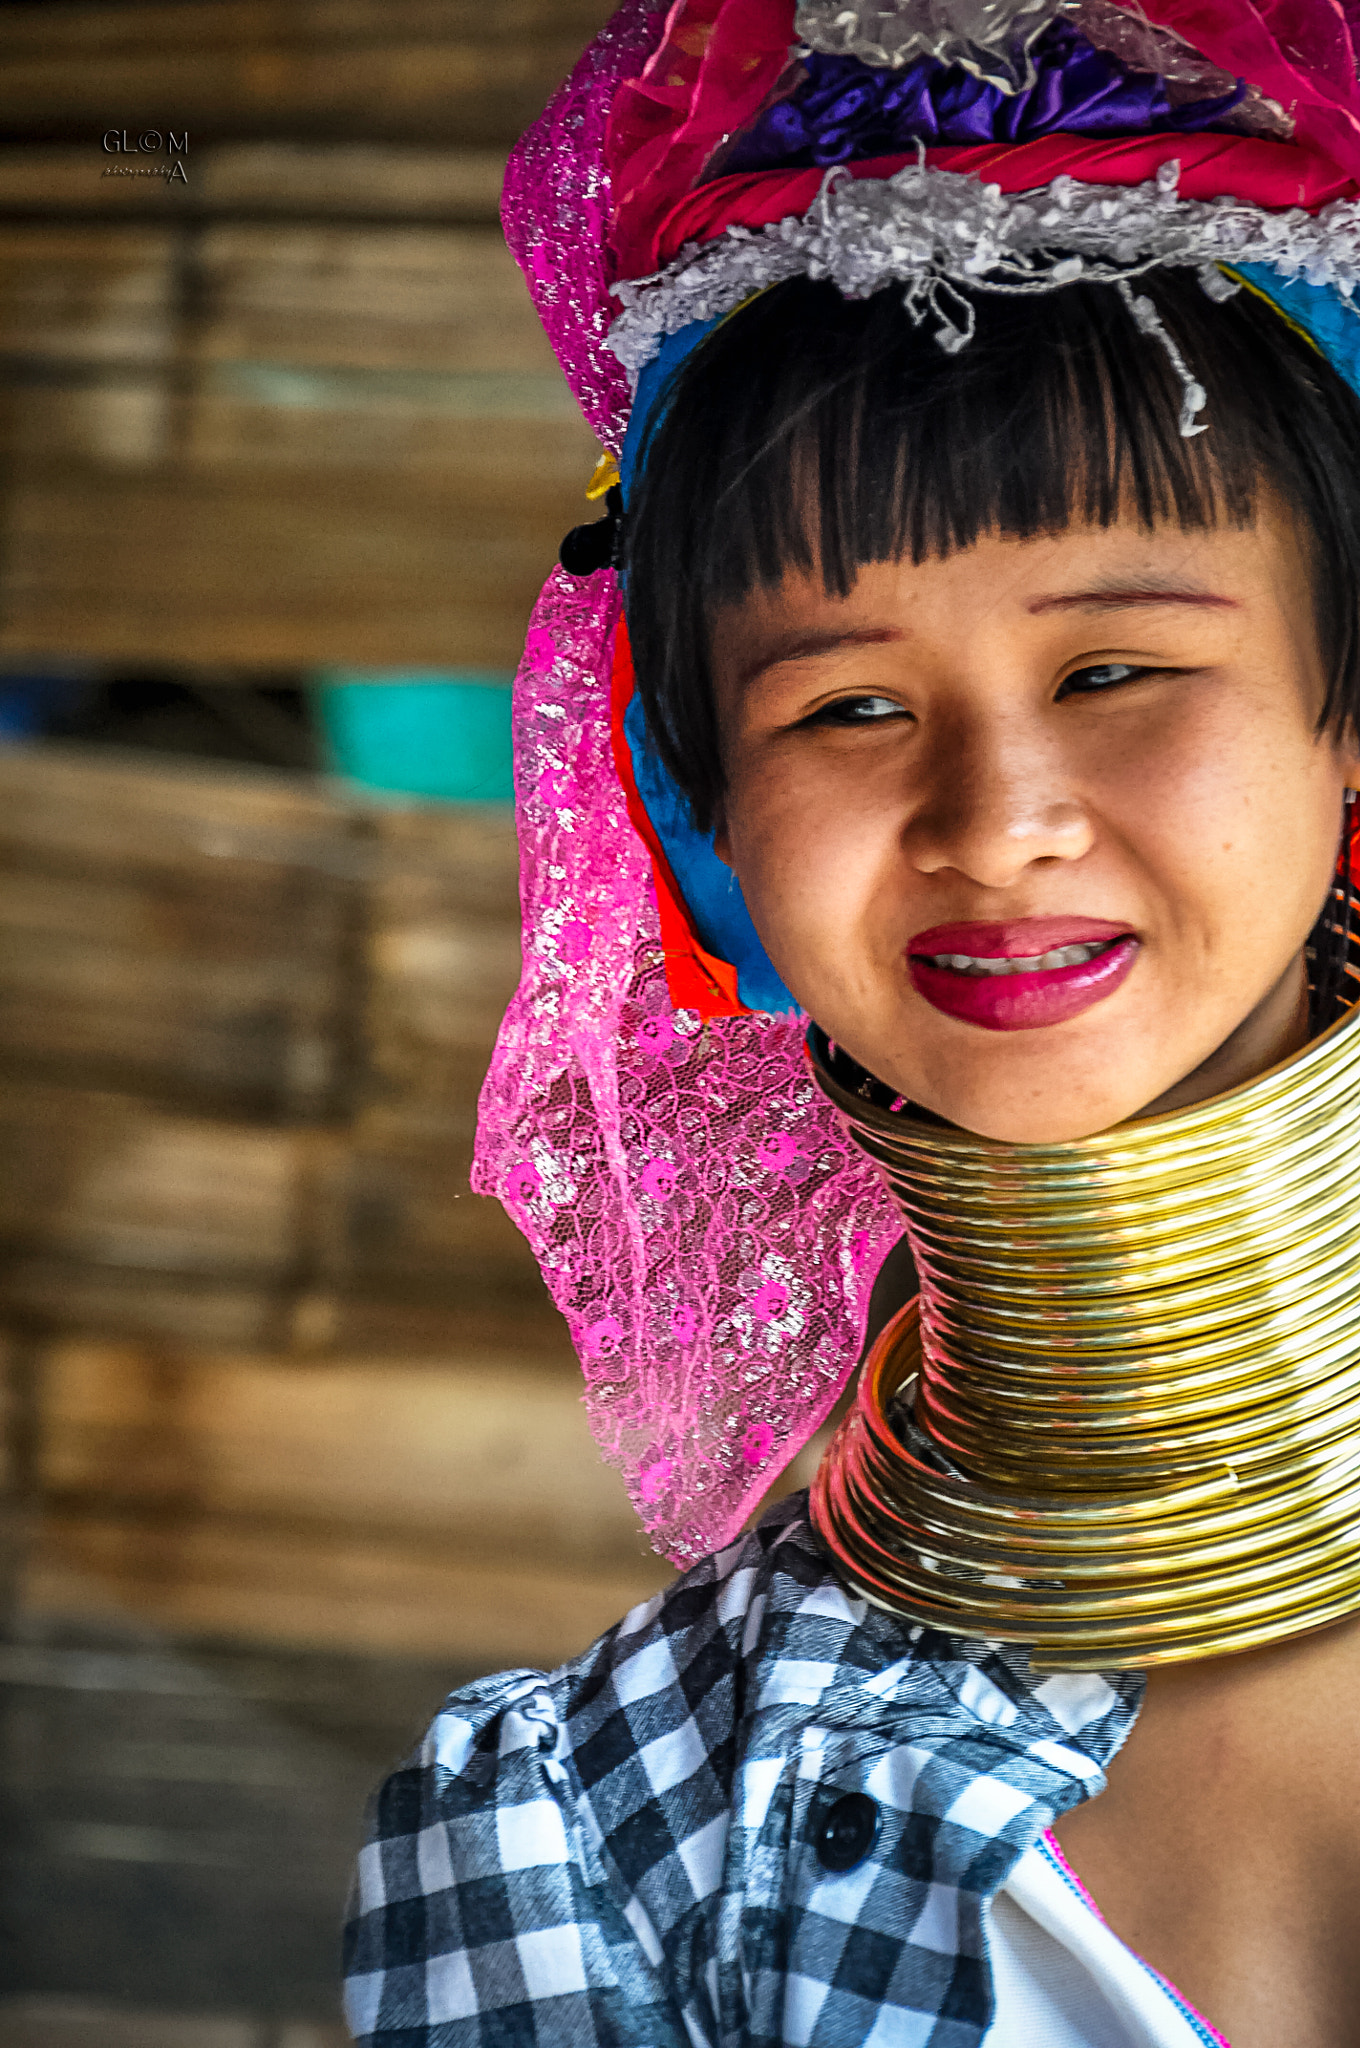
1079,574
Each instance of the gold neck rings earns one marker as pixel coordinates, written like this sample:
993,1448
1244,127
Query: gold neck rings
1122,1422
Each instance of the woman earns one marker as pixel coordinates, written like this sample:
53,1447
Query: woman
989,525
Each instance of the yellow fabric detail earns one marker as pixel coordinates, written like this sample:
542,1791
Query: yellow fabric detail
605,477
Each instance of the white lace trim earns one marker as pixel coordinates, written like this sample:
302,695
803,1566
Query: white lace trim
991,38
994,38
933,231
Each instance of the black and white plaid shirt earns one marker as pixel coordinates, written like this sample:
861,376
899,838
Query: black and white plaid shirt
756,1814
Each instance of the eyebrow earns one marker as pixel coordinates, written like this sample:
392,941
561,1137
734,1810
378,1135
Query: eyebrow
1098,598
806,646
1108,598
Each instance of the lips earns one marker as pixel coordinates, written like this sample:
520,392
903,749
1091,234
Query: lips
1021,975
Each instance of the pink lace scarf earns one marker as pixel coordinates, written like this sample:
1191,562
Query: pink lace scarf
701,1220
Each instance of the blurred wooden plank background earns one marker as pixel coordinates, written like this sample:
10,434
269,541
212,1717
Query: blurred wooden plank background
294,408
293,1379
435,70
290,1435
284,1376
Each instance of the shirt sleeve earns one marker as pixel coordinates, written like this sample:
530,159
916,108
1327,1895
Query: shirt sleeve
480,1915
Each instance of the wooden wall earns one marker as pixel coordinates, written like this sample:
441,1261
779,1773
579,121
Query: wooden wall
286,1375
276,1373
295,409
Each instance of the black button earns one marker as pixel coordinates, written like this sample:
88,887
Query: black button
848,1832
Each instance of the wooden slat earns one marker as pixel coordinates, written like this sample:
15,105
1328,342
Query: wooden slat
93,293
393,297
439,300
415,1250
362,451
128,565
121,1217
54,2022
349,178
185,933
54,1294
206,1577
405,1321
510,442
173,996
109,1181
443,954
125,418
399,181
11,1401
440,90
195,823
182,935
90,27
19,1366
243,67
490,1450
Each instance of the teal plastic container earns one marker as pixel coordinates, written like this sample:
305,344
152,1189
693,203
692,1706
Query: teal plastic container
439,734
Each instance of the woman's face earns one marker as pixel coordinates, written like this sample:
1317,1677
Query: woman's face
1099,745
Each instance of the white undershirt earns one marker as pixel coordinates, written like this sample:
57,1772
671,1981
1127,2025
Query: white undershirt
1062,1979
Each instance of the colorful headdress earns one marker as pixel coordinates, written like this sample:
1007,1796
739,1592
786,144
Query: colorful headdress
704,1224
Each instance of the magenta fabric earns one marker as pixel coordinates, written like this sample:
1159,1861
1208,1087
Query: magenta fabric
1275,174
1299,52
719,62
555,209
702,1222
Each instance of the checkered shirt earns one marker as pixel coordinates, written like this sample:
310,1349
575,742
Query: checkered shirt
625,1854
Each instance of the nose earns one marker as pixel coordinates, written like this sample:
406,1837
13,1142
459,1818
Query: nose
996,801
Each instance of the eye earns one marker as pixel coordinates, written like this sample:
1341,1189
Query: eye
856,711
1105,675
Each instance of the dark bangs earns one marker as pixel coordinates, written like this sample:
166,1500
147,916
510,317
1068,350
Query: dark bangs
820,434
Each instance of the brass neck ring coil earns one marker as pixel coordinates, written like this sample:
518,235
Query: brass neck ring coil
1122,1422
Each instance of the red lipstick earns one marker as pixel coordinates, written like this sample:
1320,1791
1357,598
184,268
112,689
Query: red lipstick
962,969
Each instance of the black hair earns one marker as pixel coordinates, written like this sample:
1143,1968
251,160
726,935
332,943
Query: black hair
816,433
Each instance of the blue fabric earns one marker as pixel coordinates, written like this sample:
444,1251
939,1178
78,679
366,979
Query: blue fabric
651,384
1330,321
711,891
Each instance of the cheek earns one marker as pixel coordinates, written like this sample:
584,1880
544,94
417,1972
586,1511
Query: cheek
1235,820
812,865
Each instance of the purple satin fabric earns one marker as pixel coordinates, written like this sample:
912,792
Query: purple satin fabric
843,110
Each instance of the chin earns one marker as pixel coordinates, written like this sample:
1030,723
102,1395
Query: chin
1040,1126
1013,1103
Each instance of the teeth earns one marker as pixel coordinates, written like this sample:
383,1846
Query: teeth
1033,963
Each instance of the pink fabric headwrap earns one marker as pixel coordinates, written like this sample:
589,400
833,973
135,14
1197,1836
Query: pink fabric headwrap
703,1225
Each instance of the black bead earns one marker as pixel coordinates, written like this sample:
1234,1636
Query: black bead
588,548
847,1832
